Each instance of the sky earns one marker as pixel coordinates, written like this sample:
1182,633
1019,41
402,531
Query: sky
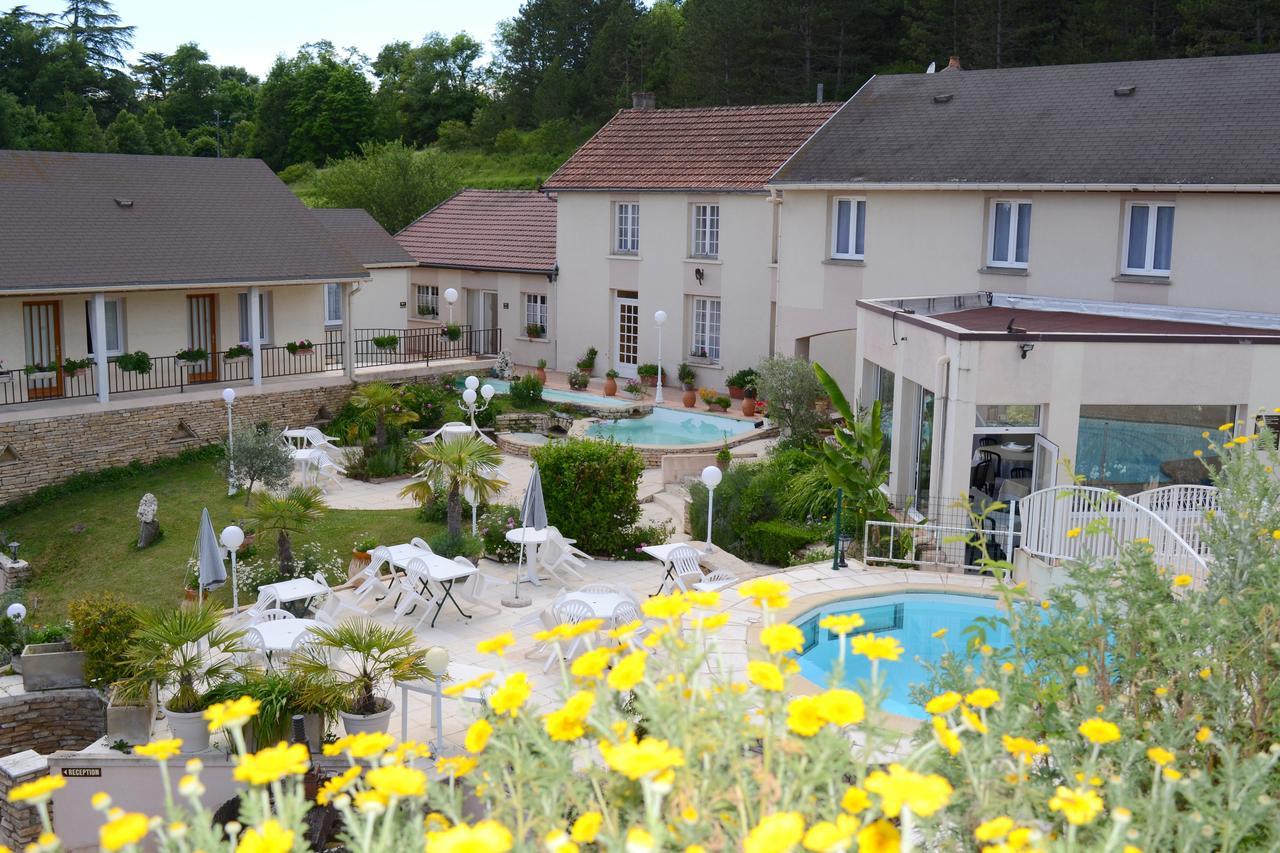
251,34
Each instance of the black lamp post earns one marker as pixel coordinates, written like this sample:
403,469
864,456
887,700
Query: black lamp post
837,559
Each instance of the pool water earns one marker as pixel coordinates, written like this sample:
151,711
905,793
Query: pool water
912,619
554,395
670,427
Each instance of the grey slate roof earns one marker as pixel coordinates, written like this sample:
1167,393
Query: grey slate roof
362,236
1213,120
192,220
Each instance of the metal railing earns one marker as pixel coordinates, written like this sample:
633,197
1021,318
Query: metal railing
427,344
1182,507
929,544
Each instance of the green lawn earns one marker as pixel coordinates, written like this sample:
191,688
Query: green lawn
84,543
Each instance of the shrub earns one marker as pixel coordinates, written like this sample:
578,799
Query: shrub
744,378
460,545
590,489
385,341
134,362
237,351
793,391
588,360
578,380
526,392
101,626
297,172
749,493
494,524
777,542
391,180
453,331
686,374
257,457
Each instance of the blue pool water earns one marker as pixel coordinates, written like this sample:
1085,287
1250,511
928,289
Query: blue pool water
912,619
553,395
670,427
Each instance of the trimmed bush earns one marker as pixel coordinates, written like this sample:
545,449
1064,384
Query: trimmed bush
590,488
526,392
777,542
102,625
462,545
494,524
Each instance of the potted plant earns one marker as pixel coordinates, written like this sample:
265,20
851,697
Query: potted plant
723,457
587,363
716,402
191,357
610,382
453,331
535,330
360,556
634,388
131,708
542,371
302,347
578,380
352,667
134,362
648,374
186,650
74,368
386,342
280,695
740,381
426,311
237,354
49,662
749,400
40,371
688,380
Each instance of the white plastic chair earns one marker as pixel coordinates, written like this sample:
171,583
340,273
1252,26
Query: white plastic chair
273,614
266,601
255,646
478,588
369,579
572,612
625,612
567,543
716,579
412,591
318,439
418,542
553,557
544,619
324,472
332,609
600,588
685,568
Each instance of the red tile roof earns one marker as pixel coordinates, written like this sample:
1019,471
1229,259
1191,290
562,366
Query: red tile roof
716,149
505,230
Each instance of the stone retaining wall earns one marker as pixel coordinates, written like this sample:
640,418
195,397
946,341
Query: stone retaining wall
51,720
19,823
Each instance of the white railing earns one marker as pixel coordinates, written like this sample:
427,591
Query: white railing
1050,514
934,544
1183,508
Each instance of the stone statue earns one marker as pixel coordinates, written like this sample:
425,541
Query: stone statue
148,526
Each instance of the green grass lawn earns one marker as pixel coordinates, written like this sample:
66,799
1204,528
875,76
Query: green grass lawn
83,543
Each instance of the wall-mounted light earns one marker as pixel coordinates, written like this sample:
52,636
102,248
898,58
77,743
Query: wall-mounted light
699,273
554,274
1026,348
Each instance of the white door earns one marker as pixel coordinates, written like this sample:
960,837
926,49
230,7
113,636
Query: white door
490,323
1044,470
626,330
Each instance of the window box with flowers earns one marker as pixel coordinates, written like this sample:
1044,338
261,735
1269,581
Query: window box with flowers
386,342
535,331
74,368
302,347
41,372
237,354
191,358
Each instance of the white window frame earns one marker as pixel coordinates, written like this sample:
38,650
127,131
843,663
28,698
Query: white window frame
329,319
705,239
432,300
535,311
119,324
626,228
1015,215
1149,255
857,225
703,334
242,318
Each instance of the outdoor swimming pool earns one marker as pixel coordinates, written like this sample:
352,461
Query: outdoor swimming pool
912,619
669,427
554,395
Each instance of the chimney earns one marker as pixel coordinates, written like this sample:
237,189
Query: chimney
644,101
953,64
820,87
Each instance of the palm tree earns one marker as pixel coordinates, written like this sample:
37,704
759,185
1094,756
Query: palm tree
291,512
188,649
447,466
380,405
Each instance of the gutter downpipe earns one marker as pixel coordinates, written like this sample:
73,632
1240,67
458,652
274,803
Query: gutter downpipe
776,199
348,332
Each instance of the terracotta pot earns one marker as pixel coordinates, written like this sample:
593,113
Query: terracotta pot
712,407
311,351
541,373
749,407
735,393
191,595
610,386
690,398
723,464
649,381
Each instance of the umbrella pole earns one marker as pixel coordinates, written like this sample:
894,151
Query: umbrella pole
516,600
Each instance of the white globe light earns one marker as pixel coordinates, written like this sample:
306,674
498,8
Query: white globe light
486,391
17,611
451,296
472,383
711,476
437,660
229,395
469,396
660,317
232,537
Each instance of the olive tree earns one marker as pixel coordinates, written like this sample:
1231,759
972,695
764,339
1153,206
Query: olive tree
257,457
792,391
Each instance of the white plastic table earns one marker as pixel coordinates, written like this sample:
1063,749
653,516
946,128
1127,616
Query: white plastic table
457,673
531,538
443,571
662,553
294,590
279,635
602,604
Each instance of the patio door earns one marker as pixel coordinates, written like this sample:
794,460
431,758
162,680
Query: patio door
489,308
202,333
626,329
42,334
1044,469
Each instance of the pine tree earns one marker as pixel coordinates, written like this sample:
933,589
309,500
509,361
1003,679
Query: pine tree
94,24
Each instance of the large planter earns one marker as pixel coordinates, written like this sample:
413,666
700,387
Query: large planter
130,723
379,722
736,393
690,398
649,381
610,386
52,666
715,407
308,351
749,407
192,728
541,373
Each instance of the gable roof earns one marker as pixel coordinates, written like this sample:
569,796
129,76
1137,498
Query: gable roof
1209,121
504,230
362,236
722,149
88,221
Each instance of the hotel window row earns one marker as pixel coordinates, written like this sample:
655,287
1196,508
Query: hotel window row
704,236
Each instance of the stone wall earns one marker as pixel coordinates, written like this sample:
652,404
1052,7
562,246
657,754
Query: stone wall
19,823
51,720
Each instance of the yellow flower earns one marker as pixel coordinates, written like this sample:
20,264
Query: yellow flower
783,637
37,790
1081,671
336,785
983,697
627,672
1203,734
456,766
1006,667
766,592
1206,673
841,623
639,841
994,829
409,749
511,696
804,716
974,721
1044,604
160,750
1079,806
671,606
370,803
393,780
947,738
1073,533
1275,534
765,675
100,801
625,630
1182,580
271,837
1227,427
1023,748
592,664
232,714
855,800
879,837
649,757
568,723
1160,756
901,787
478,734
1099,731
1170,774
775,833
1162,691
487,836
940,633
496,645
703,599
1197,453
361,745
120,832
943,703
828,837
712,623
841,707
586,827
273,764
190,786
435,822
557,841
462,687
877,648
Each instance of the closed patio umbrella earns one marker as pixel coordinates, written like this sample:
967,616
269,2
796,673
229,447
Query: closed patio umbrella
533,514
213,572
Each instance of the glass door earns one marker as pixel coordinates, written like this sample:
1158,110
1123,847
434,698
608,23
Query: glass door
489,313
924,451
1044,469
627,335
202,333
42,333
